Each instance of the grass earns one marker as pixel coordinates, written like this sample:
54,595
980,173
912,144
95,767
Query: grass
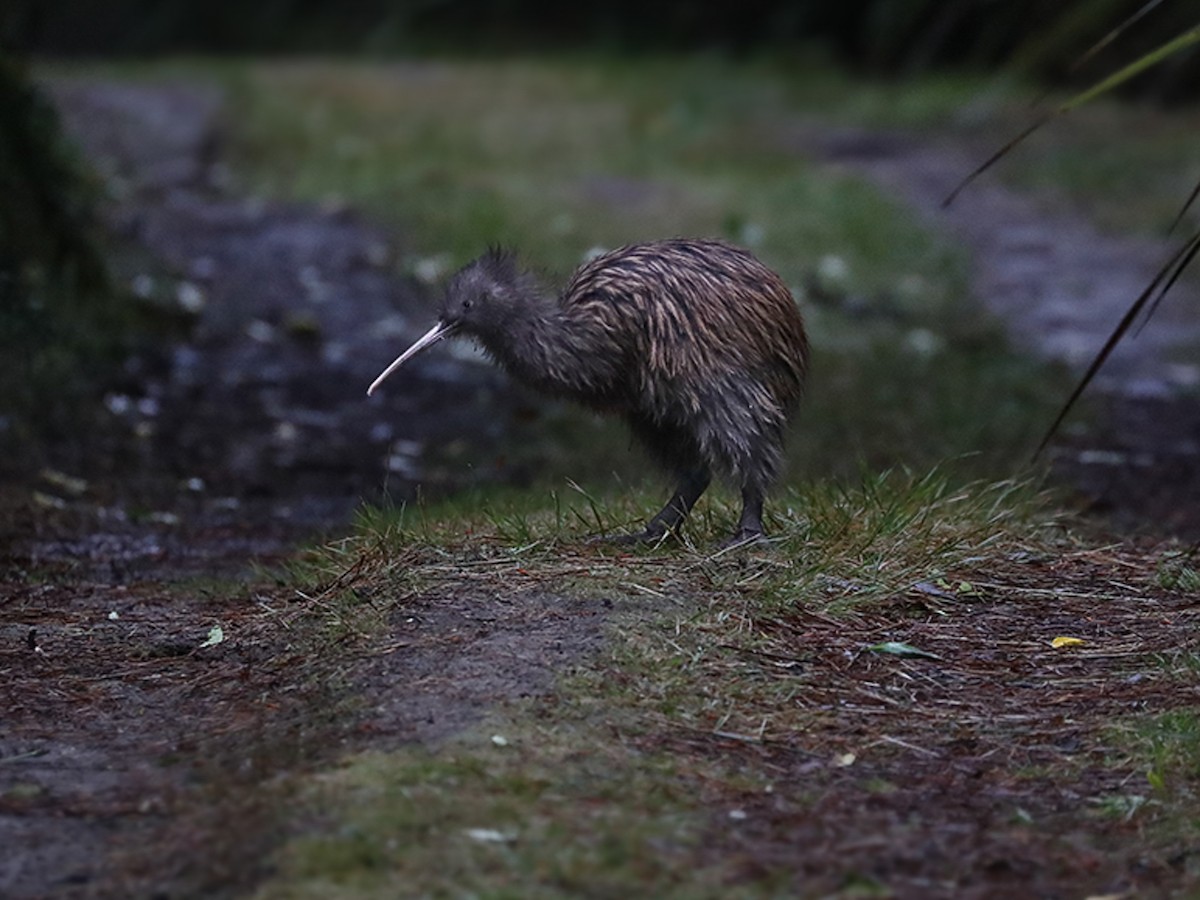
1164,750
490,821
1137,183
885,531
1179,571
564,797
557,157
1172,744
732,686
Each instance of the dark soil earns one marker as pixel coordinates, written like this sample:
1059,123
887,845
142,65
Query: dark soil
126,739
136,761
459,653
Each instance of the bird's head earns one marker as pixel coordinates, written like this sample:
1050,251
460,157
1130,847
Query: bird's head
483,296
481,300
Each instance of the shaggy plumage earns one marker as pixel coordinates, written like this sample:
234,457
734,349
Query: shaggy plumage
697,344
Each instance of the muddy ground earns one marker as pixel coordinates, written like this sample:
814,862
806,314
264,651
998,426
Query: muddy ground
133,732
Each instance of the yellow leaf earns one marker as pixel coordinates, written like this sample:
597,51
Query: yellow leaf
1066,642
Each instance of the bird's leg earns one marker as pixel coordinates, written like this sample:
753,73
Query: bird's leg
750,525
691,485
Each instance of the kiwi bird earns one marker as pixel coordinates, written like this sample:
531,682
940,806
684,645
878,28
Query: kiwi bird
695,343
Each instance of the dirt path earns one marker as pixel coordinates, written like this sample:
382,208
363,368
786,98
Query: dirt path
127,725
219,452
1060,286
291,312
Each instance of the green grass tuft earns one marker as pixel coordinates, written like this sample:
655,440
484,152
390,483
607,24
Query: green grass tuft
719,671
534,818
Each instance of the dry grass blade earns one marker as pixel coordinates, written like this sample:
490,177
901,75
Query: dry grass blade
1184,209
1188,254
997,156
1139,65
1115,33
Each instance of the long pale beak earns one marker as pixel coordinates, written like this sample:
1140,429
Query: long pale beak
428,339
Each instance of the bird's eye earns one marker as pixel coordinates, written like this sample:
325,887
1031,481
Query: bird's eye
466,304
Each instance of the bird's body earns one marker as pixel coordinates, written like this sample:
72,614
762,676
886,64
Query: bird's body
697,344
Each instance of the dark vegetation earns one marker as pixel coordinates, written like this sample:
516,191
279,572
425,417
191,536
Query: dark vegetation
59,314
58,311
1041,39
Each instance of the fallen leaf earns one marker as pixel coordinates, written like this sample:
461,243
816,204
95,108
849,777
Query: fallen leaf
899,648
216,634
934,590
1062,641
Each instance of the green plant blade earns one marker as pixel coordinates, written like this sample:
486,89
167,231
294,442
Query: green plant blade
1139,65
1153,58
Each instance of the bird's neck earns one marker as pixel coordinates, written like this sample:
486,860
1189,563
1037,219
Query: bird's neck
543,346
530,346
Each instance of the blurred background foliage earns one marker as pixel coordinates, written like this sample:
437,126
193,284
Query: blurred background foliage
58,312
47,212
1042,40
